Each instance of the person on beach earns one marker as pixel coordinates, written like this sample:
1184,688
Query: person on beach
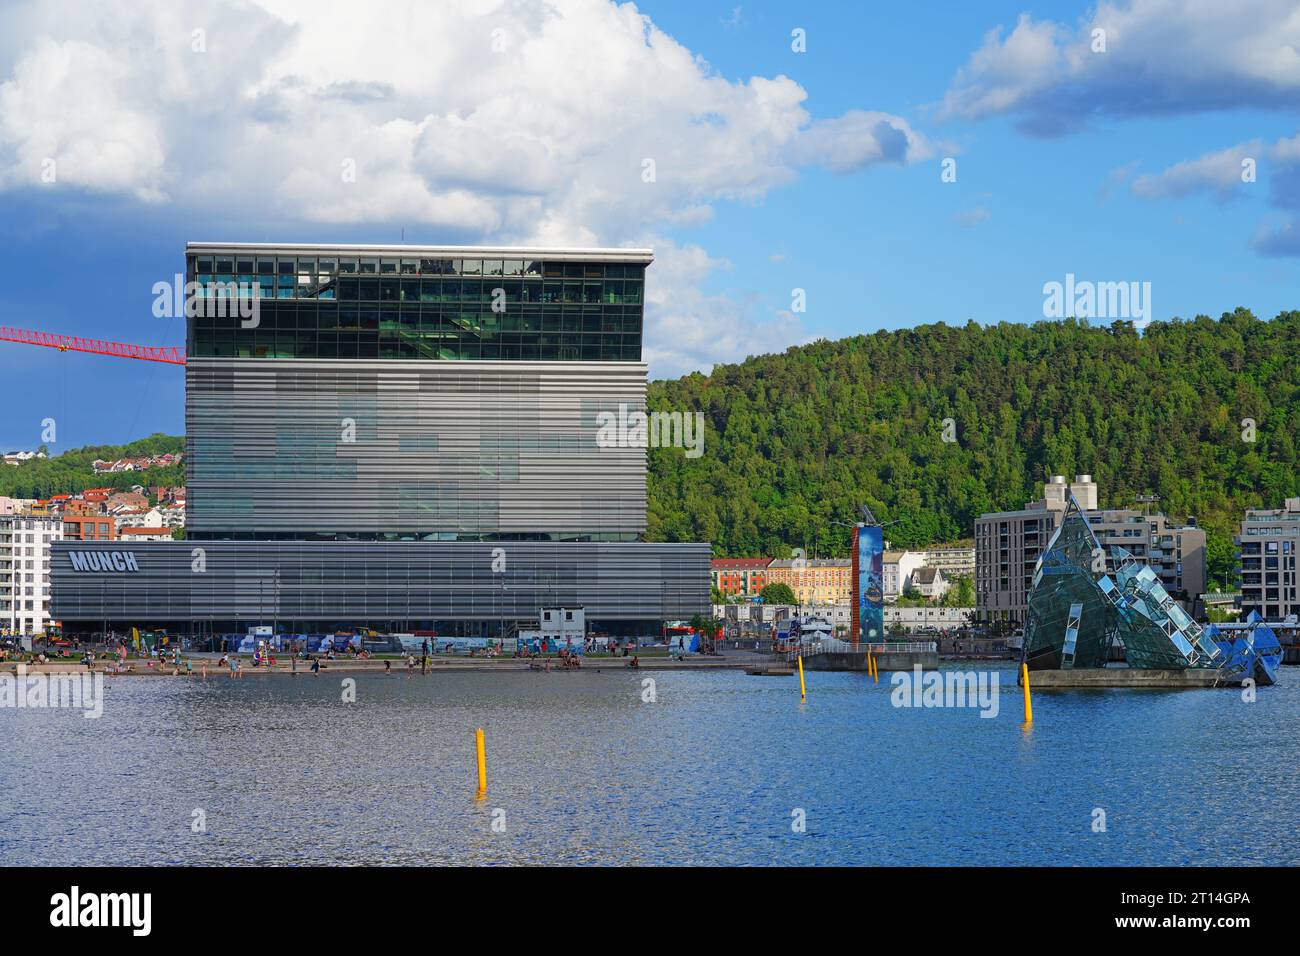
315,665
234,665
388,667
204,670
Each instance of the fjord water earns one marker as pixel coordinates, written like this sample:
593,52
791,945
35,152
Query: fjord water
715,770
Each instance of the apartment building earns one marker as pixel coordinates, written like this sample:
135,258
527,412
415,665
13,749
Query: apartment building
743,577
952,561
1269,542
1008,545
25,541
814,580
88,528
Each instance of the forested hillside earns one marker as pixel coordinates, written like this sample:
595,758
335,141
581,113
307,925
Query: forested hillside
71,471
796,440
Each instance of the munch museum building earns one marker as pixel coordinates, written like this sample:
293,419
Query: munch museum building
401,438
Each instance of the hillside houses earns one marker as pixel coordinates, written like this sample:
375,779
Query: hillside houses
18,457
102,467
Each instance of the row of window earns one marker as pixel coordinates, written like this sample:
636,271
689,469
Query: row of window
252,266
368,318
509,346
508,291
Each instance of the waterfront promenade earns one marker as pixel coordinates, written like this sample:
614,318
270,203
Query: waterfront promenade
731,660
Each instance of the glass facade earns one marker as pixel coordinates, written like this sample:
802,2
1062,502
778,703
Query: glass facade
377,307
1077,611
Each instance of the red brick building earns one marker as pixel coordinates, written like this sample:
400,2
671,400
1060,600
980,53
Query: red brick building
88,528
743,576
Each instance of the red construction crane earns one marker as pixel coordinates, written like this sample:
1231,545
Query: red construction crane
172,355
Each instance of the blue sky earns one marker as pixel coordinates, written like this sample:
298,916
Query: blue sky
776,170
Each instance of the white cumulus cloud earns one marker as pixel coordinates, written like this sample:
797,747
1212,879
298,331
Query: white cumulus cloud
1155,57
574,122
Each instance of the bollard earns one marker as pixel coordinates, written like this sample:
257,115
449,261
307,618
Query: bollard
482,764
1029,707
803,695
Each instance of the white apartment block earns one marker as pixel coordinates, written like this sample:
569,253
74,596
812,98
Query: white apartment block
953,562
25,571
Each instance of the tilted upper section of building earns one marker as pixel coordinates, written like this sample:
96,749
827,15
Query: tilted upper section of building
423,302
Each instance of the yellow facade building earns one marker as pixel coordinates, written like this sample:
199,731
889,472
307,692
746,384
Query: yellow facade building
814,580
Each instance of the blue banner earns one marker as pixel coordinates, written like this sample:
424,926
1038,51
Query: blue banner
871,584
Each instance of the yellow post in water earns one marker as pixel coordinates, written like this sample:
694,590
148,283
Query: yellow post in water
482,763
803,694
1029,707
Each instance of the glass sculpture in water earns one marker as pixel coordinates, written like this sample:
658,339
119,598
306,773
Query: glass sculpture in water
1078,610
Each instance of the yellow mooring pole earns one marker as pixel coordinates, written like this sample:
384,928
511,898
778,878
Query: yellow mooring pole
482,763
803,693
1029,706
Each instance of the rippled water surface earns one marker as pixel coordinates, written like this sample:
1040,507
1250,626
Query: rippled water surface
586,772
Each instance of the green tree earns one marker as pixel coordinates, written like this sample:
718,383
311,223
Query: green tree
797,440
778,593
962,592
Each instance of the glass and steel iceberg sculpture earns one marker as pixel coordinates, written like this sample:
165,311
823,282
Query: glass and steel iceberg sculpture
1078,611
